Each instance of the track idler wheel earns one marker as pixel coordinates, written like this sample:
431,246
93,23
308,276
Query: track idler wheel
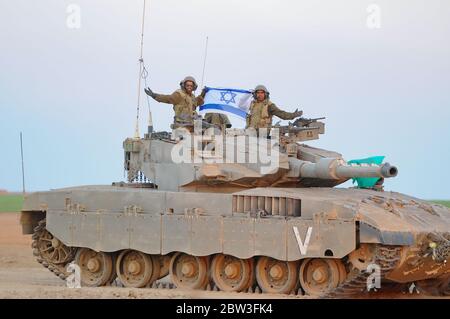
50,248
52,253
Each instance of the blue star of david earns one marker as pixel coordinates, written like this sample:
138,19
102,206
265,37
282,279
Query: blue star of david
227,97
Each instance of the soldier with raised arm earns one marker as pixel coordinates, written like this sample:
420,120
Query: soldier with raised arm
262,110
183,100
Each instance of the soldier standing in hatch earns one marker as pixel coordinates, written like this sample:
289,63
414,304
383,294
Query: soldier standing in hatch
262,110
218,119
183,100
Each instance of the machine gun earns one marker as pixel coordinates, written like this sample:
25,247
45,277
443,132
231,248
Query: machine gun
302,129
302,122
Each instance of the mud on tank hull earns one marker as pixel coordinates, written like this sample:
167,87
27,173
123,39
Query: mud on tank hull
281,240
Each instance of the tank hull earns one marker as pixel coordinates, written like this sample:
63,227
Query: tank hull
286,224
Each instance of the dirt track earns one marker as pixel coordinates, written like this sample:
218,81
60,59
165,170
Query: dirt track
23,277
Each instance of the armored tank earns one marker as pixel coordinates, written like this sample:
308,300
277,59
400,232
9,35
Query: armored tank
192,216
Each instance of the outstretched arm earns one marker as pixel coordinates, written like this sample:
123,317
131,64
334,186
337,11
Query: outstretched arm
173,98
274,110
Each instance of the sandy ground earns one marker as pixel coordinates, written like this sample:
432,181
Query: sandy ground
23,277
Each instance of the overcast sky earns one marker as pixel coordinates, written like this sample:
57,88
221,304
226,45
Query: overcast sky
72,91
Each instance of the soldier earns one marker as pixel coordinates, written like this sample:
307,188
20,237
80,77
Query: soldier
262,110
218,119
183,100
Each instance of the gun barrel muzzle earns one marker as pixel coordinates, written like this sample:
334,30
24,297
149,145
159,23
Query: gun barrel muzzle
388,170
335,168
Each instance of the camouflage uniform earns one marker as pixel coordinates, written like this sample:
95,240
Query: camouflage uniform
184,104
261,113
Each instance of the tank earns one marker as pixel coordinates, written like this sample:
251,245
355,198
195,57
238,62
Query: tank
197,217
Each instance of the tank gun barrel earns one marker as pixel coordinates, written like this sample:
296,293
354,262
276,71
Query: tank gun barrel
335,168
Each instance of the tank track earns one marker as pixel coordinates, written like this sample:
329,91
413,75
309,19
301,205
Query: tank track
58,270
385,256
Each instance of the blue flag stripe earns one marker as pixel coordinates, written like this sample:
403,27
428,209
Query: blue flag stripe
225,108
232,90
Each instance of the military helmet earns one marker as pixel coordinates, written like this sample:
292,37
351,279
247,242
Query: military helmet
188,78
261,87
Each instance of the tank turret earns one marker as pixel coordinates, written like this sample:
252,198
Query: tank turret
242,159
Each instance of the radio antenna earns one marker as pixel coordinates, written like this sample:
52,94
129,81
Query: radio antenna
204,61
23,170
141,70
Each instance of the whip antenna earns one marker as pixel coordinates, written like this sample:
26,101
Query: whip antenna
23,170
204,61
141,71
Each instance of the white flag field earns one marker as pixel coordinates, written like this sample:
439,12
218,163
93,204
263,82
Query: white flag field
234,102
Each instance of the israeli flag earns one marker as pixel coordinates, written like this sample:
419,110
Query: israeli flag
226,101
